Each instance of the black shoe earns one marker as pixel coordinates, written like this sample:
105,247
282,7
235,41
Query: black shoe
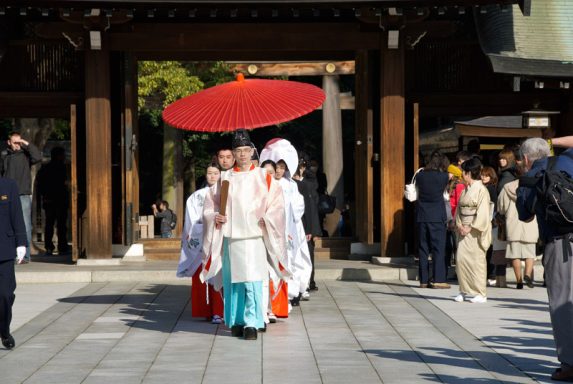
237,330
295,302
313,287
250,333
528,281
519,286
8,342
263,329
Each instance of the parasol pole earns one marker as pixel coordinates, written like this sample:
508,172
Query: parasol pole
224,197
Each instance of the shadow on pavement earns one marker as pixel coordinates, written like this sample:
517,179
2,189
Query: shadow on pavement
455,358
159,307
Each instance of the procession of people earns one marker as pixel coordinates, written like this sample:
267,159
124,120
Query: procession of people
244,243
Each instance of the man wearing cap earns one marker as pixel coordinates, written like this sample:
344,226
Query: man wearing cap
239,243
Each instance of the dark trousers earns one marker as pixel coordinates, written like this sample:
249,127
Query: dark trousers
432,240
56,212
451,244
7,297
490,266
310,243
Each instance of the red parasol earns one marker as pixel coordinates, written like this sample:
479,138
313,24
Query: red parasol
251,103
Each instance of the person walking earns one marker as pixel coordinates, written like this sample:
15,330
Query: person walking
12,246
489,180
205,301
431,218
243,242
16,164
557,259
473,223
307,186
54,195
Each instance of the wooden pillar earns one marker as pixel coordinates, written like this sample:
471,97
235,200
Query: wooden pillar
129,153
392,144
332,157
98,154
364,172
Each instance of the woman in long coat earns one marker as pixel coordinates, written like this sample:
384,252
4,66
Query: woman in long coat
473,224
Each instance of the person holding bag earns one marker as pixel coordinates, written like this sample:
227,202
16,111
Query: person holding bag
431,218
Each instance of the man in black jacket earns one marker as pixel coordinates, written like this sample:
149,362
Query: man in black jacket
12,245
52,182
16,163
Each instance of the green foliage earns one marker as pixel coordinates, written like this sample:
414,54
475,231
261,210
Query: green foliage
162,82
61,130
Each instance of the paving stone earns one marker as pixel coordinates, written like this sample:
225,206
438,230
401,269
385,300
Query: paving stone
349,332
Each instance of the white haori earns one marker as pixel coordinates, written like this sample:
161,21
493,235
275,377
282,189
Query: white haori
248,260
299,262
192,235
252,196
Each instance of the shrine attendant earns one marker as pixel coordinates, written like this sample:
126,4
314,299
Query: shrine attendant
205,301
243,241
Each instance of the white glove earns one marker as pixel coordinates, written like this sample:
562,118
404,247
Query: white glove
20,253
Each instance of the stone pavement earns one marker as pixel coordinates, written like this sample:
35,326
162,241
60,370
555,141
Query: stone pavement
350,332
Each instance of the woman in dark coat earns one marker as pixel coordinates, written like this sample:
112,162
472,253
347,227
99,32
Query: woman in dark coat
307,186
431,218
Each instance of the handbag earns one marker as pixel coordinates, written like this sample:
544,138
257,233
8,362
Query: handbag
326,204
410,190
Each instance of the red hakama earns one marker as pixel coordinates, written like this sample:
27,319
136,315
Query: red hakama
199,306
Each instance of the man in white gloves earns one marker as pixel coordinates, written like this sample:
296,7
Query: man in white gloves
13,244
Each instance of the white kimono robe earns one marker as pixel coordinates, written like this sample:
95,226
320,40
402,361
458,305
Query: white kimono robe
192,235
252,196
299,263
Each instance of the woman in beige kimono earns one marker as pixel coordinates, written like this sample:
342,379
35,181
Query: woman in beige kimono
473,224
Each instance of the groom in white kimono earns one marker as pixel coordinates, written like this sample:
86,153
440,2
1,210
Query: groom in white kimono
243,242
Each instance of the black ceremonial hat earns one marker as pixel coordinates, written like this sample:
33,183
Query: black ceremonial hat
241,139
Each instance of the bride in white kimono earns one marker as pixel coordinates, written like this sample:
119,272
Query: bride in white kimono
299,264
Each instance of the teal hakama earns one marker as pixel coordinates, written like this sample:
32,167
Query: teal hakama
243,301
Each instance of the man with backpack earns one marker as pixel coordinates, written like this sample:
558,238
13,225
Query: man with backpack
545,192
168,219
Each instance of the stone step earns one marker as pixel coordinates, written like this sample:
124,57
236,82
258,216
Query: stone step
333,242
330,254
163,254
160,243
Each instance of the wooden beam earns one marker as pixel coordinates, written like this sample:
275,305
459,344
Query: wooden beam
392,147
246,55
416,136
237,37
98,154
346,101
74,183
296,68
34,104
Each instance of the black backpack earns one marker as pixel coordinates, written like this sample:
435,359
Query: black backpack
554,191
173,223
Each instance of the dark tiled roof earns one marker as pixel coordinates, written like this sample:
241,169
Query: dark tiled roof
495,122
537,45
